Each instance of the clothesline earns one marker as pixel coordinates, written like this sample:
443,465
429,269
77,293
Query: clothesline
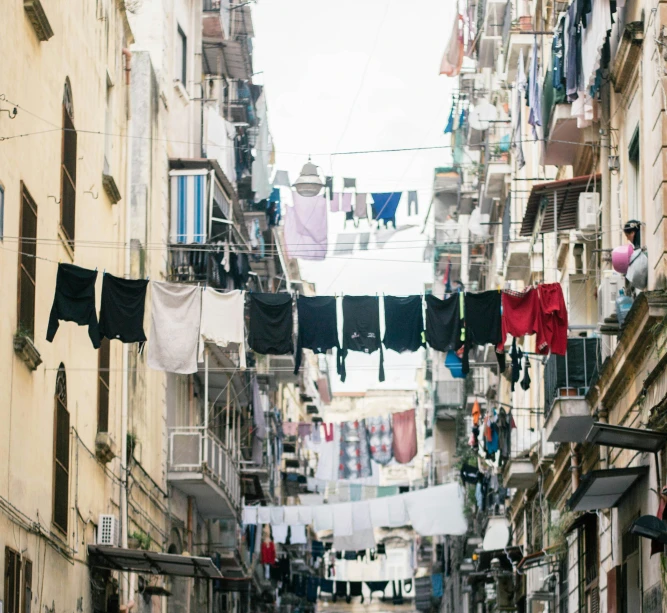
432,511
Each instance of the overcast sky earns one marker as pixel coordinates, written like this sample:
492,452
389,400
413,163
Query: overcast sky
358,75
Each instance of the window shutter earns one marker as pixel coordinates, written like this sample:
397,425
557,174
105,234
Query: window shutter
103,386
12,580
61,455
27,587
27,264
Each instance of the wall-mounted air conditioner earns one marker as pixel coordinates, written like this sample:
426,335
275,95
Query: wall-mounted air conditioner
607,294
587,213
108,531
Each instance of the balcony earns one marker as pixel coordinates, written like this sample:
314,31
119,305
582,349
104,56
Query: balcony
491,34
516,43
200,466
520,473
563,138
448,398
567,415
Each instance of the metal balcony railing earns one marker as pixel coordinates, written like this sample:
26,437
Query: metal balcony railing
193,449
572,374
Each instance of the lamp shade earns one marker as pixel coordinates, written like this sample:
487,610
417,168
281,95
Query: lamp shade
308,182
650,527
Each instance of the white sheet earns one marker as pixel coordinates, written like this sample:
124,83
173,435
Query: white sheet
437,510
223,321
342,519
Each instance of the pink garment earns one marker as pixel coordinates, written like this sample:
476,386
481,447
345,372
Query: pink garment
306,227
290,428
452,60
334,205
346,202
360,207
328,432
405,436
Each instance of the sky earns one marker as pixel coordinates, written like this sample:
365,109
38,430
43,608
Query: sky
359,75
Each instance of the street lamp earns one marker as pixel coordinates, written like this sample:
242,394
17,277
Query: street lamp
308,183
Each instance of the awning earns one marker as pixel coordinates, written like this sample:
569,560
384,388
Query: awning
604,489
229,58
566,193
150,562
626,438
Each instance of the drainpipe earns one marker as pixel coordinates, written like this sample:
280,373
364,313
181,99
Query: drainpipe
606,176
190,514
127,583
575,468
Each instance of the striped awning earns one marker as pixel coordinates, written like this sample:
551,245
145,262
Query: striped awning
565,194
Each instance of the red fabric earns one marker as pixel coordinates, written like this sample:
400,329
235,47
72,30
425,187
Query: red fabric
553,315
521,313
328,432
268,553
405,436
657,547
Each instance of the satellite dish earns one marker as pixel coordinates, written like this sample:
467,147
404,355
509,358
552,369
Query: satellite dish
497,534
481,116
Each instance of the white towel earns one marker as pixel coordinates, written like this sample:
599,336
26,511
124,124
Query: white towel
388,512
291,515
175,319
342,519
264,515
223,321
279,533
305,515
311,499
249,516
437,510
323,517
362,536
298,535
277,516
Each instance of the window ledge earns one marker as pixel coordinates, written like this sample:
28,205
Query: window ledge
105,447
182,92
66,243
111,188
38,19
26,350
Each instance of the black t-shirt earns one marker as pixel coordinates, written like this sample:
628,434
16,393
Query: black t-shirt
318,326
271,323
361,329
122,309
74,300
443,322
404,323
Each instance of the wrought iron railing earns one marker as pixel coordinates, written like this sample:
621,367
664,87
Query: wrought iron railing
573,373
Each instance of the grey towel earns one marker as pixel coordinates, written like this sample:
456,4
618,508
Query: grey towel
175,315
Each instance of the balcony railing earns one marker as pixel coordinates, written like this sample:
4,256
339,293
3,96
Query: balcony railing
571,375
193,449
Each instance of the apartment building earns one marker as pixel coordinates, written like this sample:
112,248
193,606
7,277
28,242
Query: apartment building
542,185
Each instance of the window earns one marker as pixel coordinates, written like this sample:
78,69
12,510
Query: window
589,593
27,586
68,169
631,588
108,128
181,57
634,177
27,264
61,453
12,581
103,386
2,213
189,210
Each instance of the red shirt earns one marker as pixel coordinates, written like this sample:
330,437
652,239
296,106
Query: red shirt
521,313
553,333
268,553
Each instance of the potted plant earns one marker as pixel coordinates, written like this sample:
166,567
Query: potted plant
139,540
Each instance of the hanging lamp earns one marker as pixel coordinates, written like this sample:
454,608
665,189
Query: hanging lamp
308,183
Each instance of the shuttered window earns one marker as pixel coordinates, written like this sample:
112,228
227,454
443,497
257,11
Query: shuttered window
103,386
27,587
12,581
68,169
27,264
61,454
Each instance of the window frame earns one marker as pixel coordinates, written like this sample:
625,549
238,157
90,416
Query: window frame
68,175
60,460
103,384
12,585
182,77
27,254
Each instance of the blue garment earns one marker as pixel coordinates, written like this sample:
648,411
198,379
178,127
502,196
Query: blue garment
311,588
275,195
450,122
534,93
385,205
436,585
252,534
455,365
479,497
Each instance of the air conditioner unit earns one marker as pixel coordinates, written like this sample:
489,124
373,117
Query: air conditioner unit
607,293
587,212
108,531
